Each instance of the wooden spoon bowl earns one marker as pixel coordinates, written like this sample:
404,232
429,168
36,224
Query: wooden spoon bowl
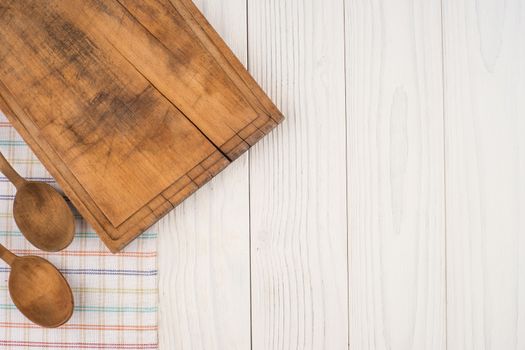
43,216
38,289
40,212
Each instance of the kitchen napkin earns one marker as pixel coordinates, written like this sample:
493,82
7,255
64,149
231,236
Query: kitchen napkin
115,295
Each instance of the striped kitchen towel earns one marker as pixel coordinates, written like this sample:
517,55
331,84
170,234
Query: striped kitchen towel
115,295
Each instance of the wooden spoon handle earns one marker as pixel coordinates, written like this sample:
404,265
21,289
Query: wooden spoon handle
10,173
6,255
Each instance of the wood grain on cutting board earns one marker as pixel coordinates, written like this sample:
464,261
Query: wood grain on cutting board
129,118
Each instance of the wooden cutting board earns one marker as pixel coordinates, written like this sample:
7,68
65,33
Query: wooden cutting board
130,104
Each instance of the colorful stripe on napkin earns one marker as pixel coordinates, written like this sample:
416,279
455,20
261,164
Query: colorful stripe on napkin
115,295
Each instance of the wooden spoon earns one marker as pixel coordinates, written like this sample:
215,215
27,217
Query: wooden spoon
38,289
40,212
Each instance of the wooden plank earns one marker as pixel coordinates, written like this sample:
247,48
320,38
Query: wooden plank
298,215
395,175
485,128
203,247
117,105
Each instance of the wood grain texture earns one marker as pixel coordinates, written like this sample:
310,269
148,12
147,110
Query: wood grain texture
133,105
298,211
203,247
395,175
484,51
88,116
418,279
179,66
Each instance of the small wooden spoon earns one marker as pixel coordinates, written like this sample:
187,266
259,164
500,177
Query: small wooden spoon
38,289
40,212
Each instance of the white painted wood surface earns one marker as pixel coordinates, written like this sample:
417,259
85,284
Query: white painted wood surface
298,177
395,175
387,212
484,44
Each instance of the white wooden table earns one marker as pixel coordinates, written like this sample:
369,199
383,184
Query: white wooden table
388,211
